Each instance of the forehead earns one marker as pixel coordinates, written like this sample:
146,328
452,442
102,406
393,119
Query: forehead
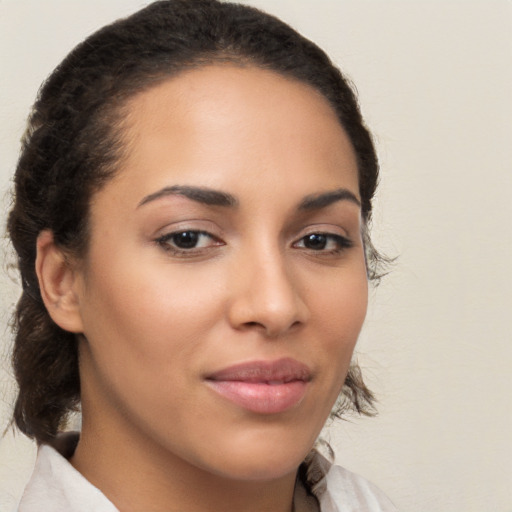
215,124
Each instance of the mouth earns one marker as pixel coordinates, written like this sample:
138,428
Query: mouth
263,387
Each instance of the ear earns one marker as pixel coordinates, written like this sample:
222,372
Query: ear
58,284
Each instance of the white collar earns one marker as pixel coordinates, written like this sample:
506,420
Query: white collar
56,486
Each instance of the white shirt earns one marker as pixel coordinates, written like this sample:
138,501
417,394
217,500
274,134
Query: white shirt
56,486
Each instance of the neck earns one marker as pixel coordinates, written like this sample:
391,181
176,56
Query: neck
141,475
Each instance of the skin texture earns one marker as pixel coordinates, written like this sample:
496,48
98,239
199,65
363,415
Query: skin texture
154,323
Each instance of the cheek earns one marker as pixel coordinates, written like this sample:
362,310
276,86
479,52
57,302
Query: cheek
144,329
340,313
148,326
341,305
146,310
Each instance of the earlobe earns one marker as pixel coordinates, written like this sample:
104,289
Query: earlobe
58,284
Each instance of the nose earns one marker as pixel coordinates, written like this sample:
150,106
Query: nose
266,296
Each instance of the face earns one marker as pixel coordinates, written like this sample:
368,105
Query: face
225,283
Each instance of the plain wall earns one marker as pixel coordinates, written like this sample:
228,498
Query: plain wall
435,84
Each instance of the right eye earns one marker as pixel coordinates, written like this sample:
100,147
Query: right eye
187,241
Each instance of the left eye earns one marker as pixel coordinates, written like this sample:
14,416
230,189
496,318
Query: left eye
186,240
323,242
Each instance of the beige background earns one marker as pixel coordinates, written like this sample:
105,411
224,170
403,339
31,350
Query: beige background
435,83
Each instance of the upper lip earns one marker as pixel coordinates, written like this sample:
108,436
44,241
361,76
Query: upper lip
281,370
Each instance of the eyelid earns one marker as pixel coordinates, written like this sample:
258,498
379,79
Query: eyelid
334,233
166,243
187,224
171,234
325,228
342,241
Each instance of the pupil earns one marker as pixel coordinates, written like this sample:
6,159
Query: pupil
315,241
186,240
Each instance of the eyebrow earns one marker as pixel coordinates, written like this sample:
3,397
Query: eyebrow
318,201
202,195
213,197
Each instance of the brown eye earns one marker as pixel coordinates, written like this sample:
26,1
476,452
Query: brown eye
315,241
185,239
325,242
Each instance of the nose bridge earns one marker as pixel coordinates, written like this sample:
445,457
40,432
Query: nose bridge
267,295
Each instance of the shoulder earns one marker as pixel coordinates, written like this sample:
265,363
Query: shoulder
340,490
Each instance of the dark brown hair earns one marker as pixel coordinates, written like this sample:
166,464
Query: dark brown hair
73,145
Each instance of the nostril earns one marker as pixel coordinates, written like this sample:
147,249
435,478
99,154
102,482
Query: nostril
253,324
270,329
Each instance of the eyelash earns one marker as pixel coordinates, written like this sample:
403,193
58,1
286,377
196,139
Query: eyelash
168,243
341,243
166,240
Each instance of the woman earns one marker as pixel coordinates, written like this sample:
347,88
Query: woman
190,218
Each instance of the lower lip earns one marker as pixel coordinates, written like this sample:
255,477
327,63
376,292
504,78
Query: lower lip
260,397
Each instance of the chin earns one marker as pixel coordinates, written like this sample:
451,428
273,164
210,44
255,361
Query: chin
261,470
254,459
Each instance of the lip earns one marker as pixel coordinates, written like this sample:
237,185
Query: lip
263,387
